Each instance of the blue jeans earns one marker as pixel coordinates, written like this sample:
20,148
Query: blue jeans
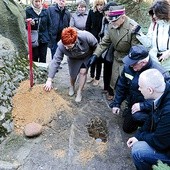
140,116
145,156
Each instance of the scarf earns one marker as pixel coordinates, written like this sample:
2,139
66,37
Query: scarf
36,10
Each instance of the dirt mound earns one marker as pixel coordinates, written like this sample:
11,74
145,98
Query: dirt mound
35,105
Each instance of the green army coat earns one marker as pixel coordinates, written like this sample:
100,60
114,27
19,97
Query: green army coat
122,39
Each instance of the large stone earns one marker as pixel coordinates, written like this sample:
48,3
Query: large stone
13,25
8,165
32,129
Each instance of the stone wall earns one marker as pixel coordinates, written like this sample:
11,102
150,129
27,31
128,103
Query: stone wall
9,78
13,69
13,25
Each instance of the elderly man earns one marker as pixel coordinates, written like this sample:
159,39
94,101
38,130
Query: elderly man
152,142
60,18
121,35
127,88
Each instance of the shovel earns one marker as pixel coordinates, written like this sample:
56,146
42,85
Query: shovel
30,51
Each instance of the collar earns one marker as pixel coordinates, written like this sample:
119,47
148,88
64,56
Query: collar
58,8
157,102
79,14
36,10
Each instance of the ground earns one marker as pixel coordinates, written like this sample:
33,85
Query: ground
65,143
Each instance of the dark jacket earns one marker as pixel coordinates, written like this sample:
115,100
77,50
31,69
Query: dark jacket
59,20
94,23
44,23
156,130
127,86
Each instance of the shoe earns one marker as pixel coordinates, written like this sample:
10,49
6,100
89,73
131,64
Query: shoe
104,92
78,97
109,97
90,80
96,83
71,91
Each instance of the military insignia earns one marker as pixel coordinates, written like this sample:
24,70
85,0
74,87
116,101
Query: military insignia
128,76
130,55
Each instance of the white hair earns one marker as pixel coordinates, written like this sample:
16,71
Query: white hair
144,60
154,79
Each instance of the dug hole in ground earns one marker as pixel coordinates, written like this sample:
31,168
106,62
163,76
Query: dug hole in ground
75,136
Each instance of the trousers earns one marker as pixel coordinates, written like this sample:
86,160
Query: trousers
144,156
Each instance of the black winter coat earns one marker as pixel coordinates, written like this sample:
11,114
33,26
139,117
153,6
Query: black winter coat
59,20
127,86
156,130
44,23
94,23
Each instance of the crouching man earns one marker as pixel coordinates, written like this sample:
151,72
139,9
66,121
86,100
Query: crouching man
127,88
152,142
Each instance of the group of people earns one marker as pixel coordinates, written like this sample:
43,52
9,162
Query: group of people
136,66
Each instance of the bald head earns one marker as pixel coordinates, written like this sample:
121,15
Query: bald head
151,83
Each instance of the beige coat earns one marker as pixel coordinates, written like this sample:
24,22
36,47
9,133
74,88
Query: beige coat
122,39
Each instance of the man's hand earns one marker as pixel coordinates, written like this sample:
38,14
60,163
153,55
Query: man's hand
91,60
131,141
48,85
136,29
135,108
115,110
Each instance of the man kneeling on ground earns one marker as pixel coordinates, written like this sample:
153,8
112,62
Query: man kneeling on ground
152,142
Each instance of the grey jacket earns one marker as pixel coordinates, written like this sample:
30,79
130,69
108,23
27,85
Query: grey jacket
78,55
78,20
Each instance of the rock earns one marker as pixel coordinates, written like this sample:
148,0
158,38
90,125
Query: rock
33,129
13,25
8,165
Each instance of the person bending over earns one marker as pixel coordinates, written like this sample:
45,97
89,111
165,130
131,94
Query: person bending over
78,46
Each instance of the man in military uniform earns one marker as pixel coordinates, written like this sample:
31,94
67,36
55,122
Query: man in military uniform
121,35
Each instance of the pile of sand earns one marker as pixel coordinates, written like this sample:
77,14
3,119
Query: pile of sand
35,105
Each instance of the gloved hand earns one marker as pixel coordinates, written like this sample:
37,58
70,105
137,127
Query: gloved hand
48,85
91,60
136,29
101,34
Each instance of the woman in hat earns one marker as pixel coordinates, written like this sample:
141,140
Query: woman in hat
94,25
78,46
41,22
78,19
